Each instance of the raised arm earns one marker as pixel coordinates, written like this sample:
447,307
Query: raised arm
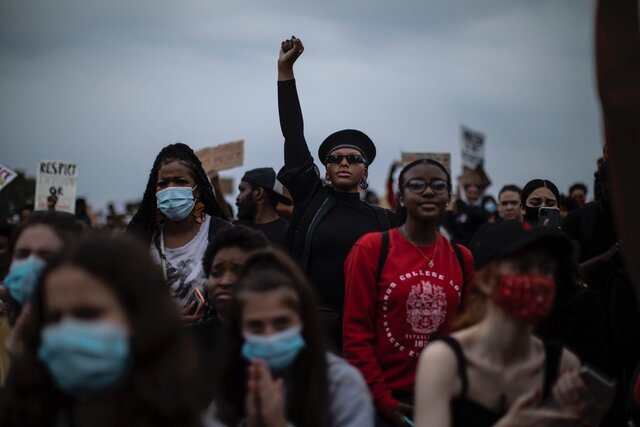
296,152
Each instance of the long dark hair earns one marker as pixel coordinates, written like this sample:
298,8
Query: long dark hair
160,387
308,390
144,224
401,211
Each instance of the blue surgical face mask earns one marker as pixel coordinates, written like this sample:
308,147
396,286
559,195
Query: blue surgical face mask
23,277
85,358
176,203
278,350
490,207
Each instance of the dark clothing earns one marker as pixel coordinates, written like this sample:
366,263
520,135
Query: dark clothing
624,320
578,321
466,413
275,231
382,421
205,336
483,229
592,227
334,237
325,223
633,397
463,224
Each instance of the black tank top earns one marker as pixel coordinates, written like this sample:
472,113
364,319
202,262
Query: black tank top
467,413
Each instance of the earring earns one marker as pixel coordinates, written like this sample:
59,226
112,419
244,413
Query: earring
198,212
364,184
327,181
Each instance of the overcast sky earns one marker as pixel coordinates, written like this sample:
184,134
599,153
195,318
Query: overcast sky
107,84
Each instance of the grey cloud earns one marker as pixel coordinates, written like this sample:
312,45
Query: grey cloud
108,85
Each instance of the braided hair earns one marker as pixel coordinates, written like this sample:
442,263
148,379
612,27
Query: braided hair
144,224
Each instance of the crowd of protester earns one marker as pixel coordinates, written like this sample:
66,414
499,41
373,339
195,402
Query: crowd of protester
447,307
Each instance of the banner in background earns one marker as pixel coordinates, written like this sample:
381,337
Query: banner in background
472,145
226,185
221,157
6,176
56,179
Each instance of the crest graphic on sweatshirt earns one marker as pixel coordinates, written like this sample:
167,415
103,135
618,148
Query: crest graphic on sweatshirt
426,307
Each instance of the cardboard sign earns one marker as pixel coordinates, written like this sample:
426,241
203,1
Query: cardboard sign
475,176
226,185
444,158
6,176
56,179
472,145
221,157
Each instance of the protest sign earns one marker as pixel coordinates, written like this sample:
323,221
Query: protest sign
58,180
444,158
221,157
472,145
226,185
6,176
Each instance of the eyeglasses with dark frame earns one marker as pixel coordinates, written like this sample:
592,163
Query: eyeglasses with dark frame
418,186
336,159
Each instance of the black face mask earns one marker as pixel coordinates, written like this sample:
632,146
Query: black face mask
531,214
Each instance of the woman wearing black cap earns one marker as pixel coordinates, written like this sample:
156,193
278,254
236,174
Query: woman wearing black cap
327,219
538,193
496,372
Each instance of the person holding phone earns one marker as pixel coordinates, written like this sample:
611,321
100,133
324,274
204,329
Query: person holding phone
177,218
539,203
104,345
273,366
328,215
496,372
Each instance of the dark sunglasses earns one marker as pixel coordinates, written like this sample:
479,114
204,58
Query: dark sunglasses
418,186
352,159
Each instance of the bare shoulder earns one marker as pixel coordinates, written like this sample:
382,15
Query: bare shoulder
438,365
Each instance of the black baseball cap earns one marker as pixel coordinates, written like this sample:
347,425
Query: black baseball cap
348,138
507,238
266,178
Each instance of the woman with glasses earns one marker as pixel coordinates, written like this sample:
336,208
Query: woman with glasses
327,219
403,288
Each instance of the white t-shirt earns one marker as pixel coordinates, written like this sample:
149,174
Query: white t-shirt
184,265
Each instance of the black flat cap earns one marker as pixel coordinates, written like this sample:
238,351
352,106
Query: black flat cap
347,138
266,178
508,238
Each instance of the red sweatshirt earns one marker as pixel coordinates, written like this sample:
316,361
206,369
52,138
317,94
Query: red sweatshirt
387,322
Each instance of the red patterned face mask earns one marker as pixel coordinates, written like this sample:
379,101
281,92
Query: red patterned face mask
528,297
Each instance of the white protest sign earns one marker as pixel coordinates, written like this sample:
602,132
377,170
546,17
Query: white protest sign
6,176
444,158
472,145
59,179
